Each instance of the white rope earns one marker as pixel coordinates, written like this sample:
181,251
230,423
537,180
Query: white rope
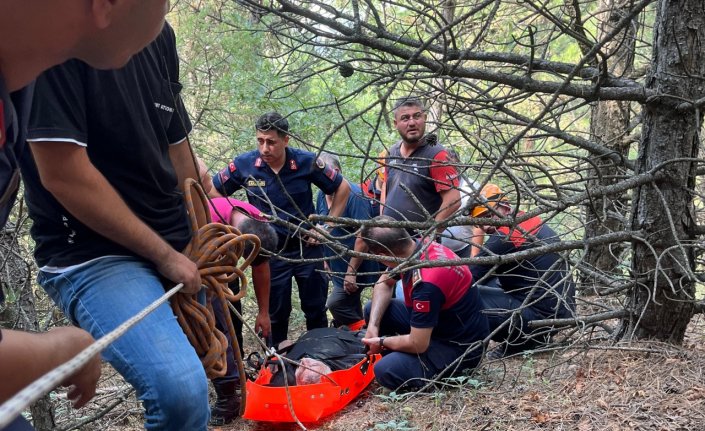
23,399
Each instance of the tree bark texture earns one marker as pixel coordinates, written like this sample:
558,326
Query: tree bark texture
440,100
21,313
662,305
609,128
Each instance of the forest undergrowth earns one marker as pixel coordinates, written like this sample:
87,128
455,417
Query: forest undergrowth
590,384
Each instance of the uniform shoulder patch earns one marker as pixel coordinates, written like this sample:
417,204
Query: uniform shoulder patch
422,306
232,167
224,176
416,277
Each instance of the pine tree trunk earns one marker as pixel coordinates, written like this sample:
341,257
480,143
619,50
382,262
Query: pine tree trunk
662,304
609,127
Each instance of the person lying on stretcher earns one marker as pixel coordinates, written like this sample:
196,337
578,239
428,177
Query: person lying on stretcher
318,352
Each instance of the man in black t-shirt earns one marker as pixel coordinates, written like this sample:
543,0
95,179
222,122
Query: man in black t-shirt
35,35
111,153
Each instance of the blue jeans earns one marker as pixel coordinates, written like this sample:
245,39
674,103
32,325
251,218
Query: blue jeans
19,424
154,356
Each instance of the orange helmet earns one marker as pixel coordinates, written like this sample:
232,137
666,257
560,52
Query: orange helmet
490,195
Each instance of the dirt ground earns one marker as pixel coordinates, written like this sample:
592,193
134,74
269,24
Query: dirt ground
642,386
591,384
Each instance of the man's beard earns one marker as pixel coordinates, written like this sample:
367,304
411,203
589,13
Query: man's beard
413,141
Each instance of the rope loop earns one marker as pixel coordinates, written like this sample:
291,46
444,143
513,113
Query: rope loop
216,249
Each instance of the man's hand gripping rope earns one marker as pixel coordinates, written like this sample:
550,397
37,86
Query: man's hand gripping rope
216,249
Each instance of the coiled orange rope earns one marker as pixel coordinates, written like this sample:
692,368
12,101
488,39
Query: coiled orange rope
216,249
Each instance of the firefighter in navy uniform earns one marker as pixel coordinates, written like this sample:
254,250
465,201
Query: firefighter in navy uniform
437,328
278,181
545,279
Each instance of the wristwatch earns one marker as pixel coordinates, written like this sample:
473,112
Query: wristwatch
381,342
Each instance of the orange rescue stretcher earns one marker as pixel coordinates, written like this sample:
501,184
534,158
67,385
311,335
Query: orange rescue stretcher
310,402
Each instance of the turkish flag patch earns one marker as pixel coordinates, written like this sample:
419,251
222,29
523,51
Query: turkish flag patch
422,306
232,167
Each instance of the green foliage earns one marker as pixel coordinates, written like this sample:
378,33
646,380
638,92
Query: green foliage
394,425
335,69
464,381
232,76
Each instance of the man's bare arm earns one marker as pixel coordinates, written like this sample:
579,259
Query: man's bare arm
184,163
416,341
27,356
350,281
340,199
381,297
449,205
261,284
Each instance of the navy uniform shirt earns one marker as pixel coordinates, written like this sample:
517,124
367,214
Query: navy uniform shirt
126,119
519,277
444,299
286,195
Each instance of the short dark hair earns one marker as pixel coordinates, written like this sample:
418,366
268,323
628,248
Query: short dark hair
388,240
273,121
266,233
331,159
408,101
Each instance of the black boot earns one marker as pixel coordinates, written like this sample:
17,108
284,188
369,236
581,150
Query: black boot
227,404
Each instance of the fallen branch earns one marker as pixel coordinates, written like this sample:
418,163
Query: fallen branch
579,321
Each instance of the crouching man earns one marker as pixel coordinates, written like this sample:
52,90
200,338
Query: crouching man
521,289
436,329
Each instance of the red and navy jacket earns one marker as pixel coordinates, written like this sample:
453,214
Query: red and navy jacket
443,298
519,276
425,173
